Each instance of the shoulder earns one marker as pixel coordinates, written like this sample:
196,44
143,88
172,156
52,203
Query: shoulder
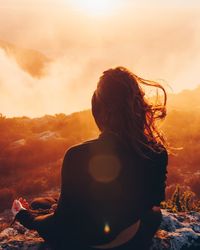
159,152
158,157
161,161
163,155
80,148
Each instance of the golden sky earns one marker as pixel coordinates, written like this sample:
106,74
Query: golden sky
155,39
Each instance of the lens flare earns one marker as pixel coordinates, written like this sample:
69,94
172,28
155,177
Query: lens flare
107,228
104,168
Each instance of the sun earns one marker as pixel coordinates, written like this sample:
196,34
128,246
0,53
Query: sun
96,7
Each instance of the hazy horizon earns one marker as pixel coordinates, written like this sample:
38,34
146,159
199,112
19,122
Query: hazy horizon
156,40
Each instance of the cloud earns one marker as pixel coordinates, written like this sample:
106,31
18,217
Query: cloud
155,43
60,90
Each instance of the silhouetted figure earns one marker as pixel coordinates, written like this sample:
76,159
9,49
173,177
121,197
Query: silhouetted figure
111,185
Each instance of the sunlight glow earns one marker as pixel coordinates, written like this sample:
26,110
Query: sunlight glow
96,7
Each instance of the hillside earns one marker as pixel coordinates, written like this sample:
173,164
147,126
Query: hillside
36,147
186,100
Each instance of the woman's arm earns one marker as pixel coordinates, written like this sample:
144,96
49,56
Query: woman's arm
27,219
44,224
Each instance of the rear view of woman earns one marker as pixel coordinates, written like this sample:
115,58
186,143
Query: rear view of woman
111,186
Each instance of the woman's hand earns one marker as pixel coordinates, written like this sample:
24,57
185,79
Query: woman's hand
24,203
18,205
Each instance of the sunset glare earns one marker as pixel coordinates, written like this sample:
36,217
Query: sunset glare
96,7
55,51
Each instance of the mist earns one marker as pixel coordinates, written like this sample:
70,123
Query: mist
156,42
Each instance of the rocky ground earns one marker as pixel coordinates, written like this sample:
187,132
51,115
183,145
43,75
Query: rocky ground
177,231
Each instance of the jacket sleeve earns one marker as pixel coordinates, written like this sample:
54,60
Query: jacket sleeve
44,224
27,219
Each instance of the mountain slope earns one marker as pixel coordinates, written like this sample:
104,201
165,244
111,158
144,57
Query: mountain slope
186,100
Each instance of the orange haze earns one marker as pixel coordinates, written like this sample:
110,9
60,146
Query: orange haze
156,41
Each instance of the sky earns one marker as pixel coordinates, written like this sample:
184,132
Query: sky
158,40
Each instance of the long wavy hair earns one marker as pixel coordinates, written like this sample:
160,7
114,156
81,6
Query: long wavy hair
119,105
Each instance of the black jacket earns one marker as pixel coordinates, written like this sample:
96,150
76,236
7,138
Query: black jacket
104,182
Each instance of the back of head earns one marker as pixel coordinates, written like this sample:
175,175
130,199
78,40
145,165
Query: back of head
119,105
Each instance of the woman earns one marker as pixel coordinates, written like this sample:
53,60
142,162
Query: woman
111,186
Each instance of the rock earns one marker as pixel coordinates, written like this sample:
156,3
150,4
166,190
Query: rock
177,231
11,238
